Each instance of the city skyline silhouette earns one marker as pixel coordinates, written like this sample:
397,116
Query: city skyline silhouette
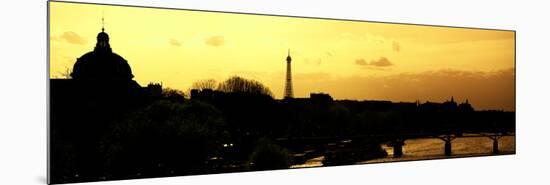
365,65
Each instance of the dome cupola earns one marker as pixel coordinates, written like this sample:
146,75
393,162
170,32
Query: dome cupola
101,63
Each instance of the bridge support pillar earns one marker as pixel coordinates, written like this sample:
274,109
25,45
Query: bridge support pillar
448,148
397,150
495,146
397,145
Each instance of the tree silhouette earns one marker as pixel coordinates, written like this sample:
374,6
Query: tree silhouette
239,84
173,94
269,156
164,138
205,84
67,73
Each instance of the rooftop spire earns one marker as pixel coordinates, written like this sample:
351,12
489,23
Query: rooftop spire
102,21
102,38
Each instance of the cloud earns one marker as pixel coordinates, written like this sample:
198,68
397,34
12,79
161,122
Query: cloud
215,41
361,62
381,62
73,38
396,46
175,42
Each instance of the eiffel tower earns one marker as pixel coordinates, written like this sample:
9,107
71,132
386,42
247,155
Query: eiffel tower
288,85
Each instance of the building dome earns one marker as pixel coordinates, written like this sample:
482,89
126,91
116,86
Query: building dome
102,63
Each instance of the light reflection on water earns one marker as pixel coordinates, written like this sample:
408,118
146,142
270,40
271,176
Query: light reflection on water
315,162
432,148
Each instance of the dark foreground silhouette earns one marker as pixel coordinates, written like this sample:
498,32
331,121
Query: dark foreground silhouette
119,136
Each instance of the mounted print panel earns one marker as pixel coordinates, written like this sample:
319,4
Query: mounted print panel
139,92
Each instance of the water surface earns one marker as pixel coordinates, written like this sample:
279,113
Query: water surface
433,148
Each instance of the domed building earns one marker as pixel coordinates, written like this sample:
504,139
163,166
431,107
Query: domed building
102,76
102,64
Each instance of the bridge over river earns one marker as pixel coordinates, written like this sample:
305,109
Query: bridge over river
408,147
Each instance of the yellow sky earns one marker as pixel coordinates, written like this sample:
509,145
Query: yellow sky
348,60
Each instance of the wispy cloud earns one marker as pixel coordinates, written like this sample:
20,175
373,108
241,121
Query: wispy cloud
73,38
380,62
396,46
175,42
215,41
361,62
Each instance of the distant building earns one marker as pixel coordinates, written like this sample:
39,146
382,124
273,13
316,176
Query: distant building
204,94
465,107
449,105
154,89
320,98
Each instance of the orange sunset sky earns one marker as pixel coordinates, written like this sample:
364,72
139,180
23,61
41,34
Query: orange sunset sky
346,59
